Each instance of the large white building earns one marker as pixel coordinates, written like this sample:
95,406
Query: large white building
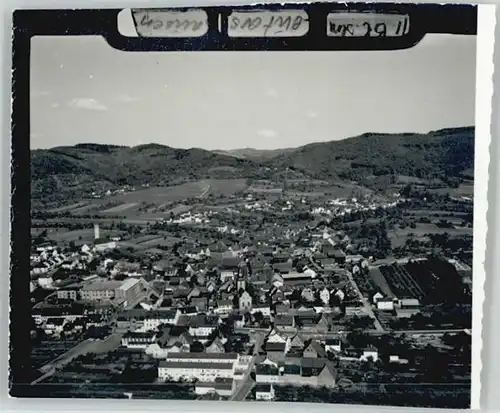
222,387
154,319
202,326
121,291
222,358
206,372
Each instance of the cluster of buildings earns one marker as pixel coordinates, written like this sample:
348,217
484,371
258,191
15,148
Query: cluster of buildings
227,312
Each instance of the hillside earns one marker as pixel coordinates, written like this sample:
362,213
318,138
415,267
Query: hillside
443,154
255,154
439,154
100,167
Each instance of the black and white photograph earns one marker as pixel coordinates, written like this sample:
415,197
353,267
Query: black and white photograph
260,226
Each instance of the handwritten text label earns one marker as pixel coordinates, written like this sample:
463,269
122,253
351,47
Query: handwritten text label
367,25
282,23
170,23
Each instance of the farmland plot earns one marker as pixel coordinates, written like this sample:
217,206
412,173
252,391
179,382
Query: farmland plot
120,208
78,236
68,208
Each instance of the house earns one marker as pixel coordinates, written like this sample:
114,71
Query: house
46,282
324,296
323,324
406,312
40,269
385,304
202,371
284,321
106,246
311,366
245,301
307,294
409,303
224,307
276,351
194,293
314,350
276,337
220,386
340,294
338,255
296,344
153,319
190,311
239,321
369,353
282,308
138,339
226,275
264,392
201,303
333,345
351,310
266,373
215,346
202,326
68,293
377,296
219,358
265,310
54,326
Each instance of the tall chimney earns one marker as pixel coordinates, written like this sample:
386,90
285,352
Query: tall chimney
96,231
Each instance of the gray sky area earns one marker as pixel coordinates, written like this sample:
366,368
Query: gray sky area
84,91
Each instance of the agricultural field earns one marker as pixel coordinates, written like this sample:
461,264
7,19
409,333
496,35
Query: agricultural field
68,208
378,279
120,208
401,283
226,187
79,237
399,236
465,189
427,280
156,202
264,190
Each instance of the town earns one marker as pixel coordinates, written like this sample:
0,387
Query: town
268,293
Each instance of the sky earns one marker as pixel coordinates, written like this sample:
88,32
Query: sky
84,91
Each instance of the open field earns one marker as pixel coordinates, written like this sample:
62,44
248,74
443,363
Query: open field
429,213
68,208
464,189
120,208
160,195
379,280
262,190
226,187
399,236
78,236
155,202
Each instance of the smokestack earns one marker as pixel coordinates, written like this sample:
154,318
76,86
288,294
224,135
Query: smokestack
96,231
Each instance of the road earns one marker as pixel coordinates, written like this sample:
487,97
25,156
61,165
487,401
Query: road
242,391
258,342
367,306
246,385
205,192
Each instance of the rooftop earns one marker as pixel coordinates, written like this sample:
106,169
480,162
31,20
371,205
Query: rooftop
203,356
194,365
100,285
128,283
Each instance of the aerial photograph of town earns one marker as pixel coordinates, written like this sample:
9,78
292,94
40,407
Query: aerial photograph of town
170,259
